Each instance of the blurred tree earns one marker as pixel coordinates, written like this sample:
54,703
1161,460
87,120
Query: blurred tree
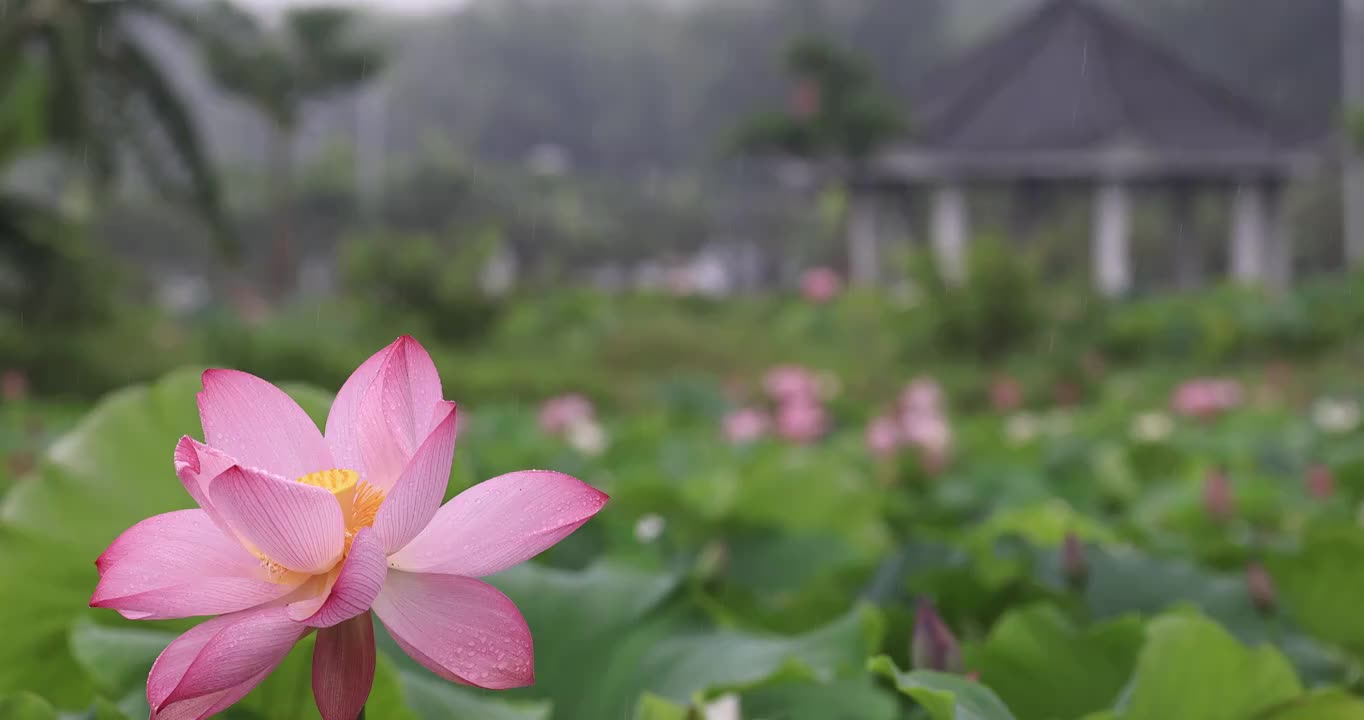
80,73
313,54
838,116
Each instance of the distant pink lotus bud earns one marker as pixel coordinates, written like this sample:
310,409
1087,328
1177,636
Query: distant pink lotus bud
1206,398
13,385
1094,365
802,420
745,425
1067,393
558,414
922,396
1218,502
933,646
1073,563
805,99
883,436
820,284
20,463
787,382
1321,483
1006,394
1261,587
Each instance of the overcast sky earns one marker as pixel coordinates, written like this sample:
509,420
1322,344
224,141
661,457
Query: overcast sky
404,6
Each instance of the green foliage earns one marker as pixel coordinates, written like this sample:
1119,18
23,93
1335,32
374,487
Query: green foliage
1191,668
432,284
1044,666
995,312
848,115
943,696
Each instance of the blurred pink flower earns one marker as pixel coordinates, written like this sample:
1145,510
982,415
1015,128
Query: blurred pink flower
801,419
883,436
820,284
789,382
1261,587
1320,481
1205,398
922,396
13,385
358,527
745,425
805,98
558,414
1006,394
1218,501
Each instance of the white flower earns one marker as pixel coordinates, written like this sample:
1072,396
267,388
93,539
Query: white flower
587,437
1022,428
1335,415
649,527
1151,427
725,707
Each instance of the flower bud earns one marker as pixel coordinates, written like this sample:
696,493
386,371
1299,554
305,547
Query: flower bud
1218,502
1073,563
933,647
1320,482
1261,587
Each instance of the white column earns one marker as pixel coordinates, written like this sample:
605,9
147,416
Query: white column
951,229
863,239
1112,231
1250,230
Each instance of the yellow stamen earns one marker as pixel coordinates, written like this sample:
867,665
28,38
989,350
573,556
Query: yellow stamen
366,506
359,500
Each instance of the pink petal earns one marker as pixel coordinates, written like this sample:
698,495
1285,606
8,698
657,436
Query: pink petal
197,464
256,423
384,411
499,523
343,668
180,564
298,526
218,662
460,628
361,578
416,496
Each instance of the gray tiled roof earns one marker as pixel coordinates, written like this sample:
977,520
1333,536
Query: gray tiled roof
1074,76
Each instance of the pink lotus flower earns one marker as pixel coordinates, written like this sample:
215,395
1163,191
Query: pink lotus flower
745,425
802,420
558,414
790,382
299,531
922,396
1205,398
1218,501
883,436
1006,394
1320,481
13,385
820,284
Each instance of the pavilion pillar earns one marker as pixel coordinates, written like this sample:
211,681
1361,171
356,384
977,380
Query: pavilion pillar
950,230
1111,238
863,238
1252,226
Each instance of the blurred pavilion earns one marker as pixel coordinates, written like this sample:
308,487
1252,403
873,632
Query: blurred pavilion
1076,96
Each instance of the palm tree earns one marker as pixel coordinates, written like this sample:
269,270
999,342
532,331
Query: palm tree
311,55
837,119
103,99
